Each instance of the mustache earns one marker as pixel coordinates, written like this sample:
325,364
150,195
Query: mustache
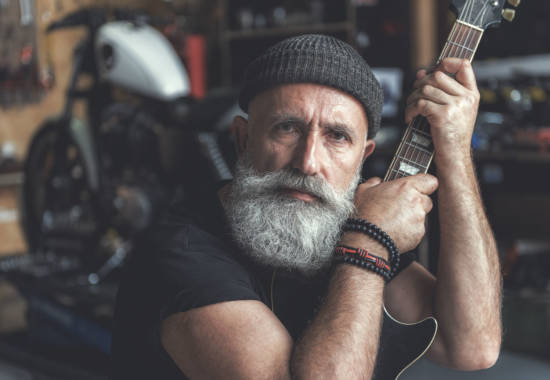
278,230
272,183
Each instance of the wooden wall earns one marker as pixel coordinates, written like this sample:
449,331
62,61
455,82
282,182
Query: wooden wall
424,33
17,124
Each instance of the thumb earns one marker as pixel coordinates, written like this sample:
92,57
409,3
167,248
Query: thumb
373,181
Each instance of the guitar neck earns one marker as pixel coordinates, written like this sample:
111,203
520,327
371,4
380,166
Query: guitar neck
415,152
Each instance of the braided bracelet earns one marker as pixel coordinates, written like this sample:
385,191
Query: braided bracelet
375,232
363,258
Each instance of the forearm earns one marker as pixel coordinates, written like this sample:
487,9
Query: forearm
342,340
467,294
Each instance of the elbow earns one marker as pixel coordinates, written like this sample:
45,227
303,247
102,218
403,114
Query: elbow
477,358
485,360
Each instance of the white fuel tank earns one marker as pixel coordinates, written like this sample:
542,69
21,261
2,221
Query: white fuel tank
139,58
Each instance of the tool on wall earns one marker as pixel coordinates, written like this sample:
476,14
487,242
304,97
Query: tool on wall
19,79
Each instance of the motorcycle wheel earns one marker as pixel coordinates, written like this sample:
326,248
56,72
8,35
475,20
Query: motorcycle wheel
58,212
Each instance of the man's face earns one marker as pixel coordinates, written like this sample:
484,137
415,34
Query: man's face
315,129
301,154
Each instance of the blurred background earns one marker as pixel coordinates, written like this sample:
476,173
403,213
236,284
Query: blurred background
111,110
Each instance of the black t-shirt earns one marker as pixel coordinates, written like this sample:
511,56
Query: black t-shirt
189,261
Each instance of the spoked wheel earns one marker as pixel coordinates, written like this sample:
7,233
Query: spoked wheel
67,210
59,213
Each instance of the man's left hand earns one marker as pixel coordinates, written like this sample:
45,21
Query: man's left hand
450,104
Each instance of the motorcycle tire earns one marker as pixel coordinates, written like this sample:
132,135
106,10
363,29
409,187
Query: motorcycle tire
58,211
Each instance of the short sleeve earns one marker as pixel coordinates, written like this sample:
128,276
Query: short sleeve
175,267
197,269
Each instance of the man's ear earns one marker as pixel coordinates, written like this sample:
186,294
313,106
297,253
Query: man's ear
239,126
369,148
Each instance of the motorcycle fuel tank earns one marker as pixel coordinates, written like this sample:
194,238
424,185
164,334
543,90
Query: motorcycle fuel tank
141,59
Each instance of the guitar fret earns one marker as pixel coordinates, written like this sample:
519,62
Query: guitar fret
421,132
463,38
420,140
461,46
469,26
411,162
397,171
415,152
418,147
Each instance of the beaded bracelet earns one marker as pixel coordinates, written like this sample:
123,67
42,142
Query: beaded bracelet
375,232
361,257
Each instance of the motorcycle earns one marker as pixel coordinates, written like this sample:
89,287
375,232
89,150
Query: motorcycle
93,184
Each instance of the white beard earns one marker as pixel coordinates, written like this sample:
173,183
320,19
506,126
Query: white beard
277,230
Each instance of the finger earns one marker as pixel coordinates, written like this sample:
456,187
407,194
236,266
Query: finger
427,204
462,68
443,81
424,183
432,111
421,74
422,81
373,181
430,93
411,112
451,65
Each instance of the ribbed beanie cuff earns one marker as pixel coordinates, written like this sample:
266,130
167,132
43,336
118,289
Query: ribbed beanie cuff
319,59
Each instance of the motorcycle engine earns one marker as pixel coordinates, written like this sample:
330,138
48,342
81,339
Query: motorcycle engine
134,181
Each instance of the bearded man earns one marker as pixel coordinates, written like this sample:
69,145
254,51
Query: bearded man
244,284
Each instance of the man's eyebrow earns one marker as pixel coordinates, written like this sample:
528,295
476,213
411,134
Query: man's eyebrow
340,127
333,126
278,117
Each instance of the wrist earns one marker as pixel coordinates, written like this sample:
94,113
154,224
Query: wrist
361,275
452,161
376,233
363,258
356,239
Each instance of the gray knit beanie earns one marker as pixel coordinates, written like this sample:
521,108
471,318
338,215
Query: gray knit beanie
314,58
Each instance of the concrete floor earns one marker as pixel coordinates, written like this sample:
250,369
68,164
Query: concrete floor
508,367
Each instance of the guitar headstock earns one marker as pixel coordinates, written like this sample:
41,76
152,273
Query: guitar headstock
484,13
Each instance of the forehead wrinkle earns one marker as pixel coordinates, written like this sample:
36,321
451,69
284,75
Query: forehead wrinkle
338,126
284,115
296,101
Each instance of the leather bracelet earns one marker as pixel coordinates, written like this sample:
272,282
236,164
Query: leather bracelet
363,258
375,232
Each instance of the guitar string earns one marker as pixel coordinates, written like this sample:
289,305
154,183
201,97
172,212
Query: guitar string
477,21
416,123
420,123
461,46
464,43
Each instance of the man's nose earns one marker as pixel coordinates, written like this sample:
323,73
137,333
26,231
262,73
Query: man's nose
306,157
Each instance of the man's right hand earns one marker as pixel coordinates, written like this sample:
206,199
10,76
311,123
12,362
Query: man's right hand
398,207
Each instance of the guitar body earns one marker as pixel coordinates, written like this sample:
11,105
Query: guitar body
401,345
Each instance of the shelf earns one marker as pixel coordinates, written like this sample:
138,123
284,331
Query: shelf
288,30
11,179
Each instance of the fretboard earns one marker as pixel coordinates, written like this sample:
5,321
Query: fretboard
415,152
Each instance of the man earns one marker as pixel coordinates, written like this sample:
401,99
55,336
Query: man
244,285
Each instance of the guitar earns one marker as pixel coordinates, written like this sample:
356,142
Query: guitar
403,343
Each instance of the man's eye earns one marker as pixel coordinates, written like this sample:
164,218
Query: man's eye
286,127
338,136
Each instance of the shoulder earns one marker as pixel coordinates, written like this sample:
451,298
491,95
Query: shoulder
179,243
191,267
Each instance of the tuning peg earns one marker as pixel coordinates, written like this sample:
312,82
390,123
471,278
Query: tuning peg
508,14
514,3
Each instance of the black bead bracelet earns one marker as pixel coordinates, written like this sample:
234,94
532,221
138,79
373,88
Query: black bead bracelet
375,232
350,259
